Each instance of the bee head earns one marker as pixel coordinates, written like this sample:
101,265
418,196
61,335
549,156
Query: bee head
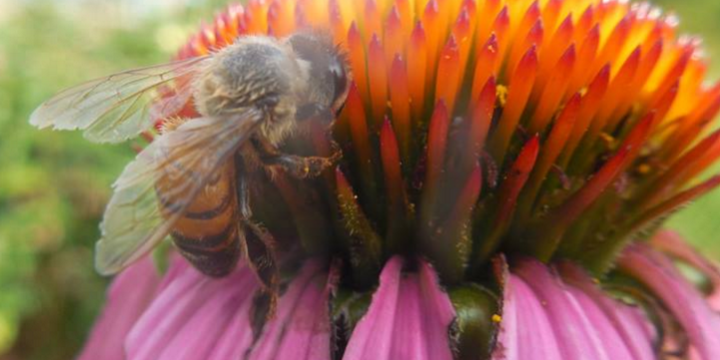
329,73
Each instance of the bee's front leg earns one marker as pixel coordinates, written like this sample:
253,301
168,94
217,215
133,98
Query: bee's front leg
301,167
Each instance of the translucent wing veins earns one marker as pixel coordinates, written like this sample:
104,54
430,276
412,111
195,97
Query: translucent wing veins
134,223
120,106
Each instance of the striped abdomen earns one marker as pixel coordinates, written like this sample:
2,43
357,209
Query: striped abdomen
207,231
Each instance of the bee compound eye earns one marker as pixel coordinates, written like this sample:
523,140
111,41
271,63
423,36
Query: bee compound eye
340,80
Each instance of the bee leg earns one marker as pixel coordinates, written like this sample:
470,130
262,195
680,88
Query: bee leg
301,167
258,247
304,167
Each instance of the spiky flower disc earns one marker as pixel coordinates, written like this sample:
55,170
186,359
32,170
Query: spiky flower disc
555,129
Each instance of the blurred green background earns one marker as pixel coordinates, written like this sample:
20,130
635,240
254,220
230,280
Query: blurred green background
53,186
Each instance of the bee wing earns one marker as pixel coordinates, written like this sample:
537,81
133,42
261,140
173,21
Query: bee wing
135,221
120,106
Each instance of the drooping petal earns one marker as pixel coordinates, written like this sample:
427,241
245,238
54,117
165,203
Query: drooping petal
686,303
237,336
409,318
195,317
630,322
192,317
580,326
672,243
301,328
714,300
130,293
523,310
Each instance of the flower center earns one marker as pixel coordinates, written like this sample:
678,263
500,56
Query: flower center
552,129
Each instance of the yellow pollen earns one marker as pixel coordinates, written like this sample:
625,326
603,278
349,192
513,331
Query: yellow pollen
496,318
644,169
502,94
608,139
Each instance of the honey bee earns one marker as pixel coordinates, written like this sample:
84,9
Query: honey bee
192,182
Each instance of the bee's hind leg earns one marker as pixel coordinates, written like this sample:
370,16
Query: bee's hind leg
301,167
259,248
257,245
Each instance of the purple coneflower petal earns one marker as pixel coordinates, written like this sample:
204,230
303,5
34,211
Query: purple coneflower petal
191,317
523,310
408,318
195,317
301,328
238,336
686,303
130,293
714,300
567,322
674,245
580,329
630,322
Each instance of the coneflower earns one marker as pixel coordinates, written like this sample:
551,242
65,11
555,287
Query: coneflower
507,165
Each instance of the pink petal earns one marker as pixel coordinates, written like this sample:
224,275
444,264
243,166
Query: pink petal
686,303
129,295
674,245
714,300
409,318
630,322
301,328
191,317
522,310
237,336
581,328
